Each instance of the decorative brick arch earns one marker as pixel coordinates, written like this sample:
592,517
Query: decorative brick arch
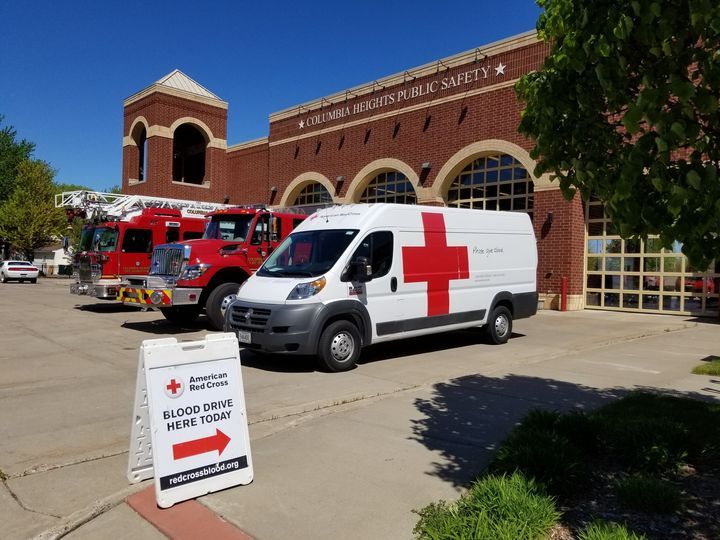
202,126
296,186
131,133
455,164
371,170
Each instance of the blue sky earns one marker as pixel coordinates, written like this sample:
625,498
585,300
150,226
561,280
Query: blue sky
67,66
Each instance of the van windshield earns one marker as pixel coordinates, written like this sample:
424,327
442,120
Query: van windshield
307,253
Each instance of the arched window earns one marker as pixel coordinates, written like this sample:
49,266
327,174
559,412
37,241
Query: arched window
493,182
139,136
389,187
189,146
313,194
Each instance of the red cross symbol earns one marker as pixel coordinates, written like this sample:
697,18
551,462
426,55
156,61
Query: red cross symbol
436,263
174,386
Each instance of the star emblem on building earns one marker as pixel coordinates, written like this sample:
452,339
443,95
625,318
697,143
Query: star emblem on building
500,69
302,124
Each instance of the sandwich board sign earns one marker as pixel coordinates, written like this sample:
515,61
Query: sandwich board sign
189,427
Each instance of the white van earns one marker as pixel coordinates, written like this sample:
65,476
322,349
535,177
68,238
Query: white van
354,275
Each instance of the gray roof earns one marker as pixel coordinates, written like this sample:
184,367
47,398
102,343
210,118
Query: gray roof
178,80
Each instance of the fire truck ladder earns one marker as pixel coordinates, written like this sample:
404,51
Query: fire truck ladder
117,205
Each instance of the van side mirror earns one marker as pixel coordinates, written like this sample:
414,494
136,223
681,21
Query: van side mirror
360,270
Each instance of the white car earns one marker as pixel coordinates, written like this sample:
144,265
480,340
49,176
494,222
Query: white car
18,270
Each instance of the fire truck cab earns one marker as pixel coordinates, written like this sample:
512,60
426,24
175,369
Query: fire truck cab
186,278
120,234
111,249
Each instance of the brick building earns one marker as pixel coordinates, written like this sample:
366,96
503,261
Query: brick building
440,134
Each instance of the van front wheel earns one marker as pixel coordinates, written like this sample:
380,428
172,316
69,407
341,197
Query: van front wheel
339,346
499,325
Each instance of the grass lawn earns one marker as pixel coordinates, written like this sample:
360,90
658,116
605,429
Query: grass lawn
711,367
645,466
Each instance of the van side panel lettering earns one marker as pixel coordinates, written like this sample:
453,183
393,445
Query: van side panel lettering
422,323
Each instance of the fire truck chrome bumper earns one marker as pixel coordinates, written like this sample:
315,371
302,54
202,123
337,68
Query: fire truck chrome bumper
79,288
106,292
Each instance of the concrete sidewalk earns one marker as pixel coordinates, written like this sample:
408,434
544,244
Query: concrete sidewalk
336,455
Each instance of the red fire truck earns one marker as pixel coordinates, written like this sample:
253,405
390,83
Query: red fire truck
187,277
120,234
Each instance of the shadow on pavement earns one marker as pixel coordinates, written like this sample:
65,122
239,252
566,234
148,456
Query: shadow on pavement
278,362
445,341
466,417
164,327
375,353
110,307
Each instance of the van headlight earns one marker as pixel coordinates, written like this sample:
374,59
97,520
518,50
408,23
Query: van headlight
306,290
193,271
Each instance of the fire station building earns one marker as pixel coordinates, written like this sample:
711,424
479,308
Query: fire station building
444,133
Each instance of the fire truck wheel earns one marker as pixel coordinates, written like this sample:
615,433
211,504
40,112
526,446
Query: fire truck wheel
499,325
339,346
181,314
218,301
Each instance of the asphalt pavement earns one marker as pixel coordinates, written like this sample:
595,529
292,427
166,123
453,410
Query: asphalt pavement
335,455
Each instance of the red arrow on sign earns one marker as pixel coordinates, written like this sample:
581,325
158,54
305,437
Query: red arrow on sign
199,446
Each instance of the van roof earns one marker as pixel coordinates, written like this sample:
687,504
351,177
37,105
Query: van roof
366,216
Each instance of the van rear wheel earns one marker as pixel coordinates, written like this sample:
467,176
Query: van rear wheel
339,346
499,325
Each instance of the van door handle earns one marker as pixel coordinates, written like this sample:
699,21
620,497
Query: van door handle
393,284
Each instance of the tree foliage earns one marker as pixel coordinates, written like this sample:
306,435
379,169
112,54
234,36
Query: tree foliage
29,219
12,153
626,108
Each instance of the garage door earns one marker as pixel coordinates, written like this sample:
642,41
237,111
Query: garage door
636,275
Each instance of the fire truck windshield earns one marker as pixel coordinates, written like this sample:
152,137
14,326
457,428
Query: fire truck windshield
104,239
225,227
86,237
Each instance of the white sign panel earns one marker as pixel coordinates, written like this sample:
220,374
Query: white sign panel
197,417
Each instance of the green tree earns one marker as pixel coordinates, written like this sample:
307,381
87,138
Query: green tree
29,219
625,107
12,153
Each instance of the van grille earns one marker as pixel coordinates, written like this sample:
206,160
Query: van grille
248,318
166,261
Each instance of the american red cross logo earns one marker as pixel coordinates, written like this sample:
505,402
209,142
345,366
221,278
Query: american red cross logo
436,263
174,388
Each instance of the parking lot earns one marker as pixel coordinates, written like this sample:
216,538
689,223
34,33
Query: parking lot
346,454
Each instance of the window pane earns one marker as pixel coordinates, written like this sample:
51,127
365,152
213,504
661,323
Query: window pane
593,264
594,281
631,283
592,299
632,246
594,246
671,303
651,264
631,264
651,283
673,264
671,284
650,301
612,264
612,300
630,300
